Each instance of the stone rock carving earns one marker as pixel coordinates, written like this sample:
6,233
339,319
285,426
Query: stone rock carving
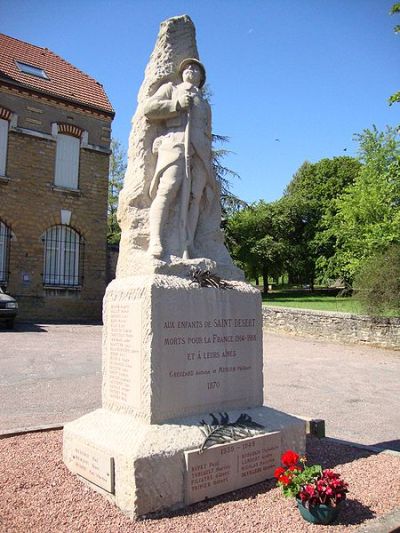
184,164
174,351
169,209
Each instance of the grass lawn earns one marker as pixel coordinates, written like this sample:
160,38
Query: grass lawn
320,301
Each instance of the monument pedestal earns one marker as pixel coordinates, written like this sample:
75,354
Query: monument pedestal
173,352
172,348
142,469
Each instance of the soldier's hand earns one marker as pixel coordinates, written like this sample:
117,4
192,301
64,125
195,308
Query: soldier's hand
185,101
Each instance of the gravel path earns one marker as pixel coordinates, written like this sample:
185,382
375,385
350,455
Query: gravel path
39,495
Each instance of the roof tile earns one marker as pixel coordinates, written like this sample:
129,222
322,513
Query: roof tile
66,81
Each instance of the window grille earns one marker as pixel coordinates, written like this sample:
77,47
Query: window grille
5,238
63,257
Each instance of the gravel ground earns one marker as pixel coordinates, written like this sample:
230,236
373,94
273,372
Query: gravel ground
38,495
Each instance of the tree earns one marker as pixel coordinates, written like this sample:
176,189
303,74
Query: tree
115,182
395,10
311,194
258,238
367,218
377,282
230,203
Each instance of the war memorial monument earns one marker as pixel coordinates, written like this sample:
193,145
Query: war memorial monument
182,336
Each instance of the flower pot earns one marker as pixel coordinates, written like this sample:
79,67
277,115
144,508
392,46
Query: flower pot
318,514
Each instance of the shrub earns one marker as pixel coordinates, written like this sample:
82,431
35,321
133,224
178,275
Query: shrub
377,283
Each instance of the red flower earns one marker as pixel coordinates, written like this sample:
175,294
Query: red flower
285,480
330,474
279,471
309,489
295,468
289,458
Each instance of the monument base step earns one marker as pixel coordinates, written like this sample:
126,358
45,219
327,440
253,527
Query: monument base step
142,468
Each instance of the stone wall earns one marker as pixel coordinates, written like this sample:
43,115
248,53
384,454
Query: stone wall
112,259
341,327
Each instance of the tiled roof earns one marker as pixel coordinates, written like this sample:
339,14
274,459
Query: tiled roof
66,81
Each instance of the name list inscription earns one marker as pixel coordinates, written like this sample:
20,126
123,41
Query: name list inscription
94,465
124,341
228,467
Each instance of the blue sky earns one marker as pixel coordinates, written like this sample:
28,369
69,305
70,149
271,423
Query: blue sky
310,73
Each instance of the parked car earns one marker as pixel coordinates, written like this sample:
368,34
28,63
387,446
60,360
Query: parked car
8,309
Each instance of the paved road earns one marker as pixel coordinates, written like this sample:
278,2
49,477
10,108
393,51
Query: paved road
52,374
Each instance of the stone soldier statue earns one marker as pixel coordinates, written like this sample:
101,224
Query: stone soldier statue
184,178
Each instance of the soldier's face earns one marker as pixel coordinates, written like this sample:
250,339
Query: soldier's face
192,74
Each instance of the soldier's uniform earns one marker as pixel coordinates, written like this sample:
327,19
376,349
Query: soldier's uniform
170,149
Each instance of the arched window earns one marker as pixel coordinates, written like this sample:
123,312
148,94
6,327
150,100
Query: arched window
67,156
5,237
5,115
63,257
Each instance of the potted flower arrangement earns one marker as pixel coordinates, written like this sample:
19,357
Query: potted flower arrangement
318,492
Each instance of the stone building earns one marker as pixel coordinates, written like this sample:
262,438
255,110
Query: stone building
55,131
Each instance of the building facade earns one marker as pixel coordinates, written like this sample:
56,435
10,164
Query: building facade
55,132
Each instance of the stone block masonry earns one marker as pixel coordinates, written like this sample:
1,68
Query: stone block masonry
182,335
339,327
30,204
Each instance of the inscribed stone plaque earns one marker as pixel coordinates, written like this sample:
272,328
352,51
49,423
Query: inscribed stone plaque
211,351
124,352
226,467
94,465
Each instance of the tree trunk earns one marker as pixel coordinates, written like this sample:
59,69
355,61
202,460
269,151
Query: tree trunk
312,282
265,280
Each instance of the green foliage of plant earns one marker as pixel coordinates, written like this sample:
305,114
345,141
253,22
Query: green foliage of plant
270,239
395,9
314,189
318,301
367,217
312,485
377,283
230,203
308,475
115,182
396,96
323,181
258,238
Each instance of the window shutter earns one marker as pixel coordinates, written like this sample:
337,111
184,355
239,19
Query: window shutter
3,145
67,161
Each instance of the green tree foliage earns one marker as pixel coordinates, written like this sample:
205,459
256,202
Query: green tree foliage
377,282
115,182
313,192
395,10
259,238
229,202
367,218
